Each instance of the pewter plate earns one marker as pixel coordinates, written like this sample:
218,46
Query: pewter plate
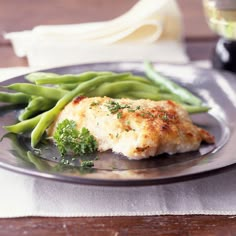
215,88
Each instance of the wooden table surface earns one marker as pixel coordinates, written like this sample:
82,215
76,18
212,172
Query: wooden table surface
24,14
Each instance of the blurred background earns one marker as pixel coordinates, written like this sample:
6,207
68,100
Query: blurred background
20,15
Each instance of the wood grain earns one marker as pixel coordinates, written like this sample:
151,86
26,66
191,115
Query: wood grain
46,12
194,20
8,57
114,226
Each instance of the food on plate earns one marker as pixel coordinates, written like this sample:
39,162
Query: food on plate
47,97
73,141
136,129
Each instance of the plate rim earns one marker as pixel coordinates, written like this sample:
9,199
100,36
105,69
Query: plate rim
112,182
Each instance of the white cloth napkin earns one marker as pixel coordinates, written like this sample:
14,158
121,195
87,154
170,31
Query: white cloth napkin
144,32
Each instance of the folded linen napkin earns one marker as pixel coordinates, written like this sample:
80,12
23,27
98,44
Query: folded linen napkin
144,32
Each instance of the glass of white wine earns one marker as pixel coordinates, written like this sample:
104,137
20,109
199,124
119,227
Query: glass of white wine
221,18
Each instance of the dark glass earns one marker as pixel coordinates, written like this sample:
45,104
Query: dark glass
224,56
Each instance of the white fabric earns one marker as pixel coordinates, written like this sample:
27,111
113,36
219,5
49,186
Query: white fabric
144,32
28,196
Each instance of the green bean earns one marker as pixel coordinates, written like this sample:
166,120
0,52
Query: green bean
51,78
32,77
49,116
141,79
35,106
36,90
87,86
171,86
111,89
164,96
69,86
157,97
14,98
23,126
124,95
149,95
195,109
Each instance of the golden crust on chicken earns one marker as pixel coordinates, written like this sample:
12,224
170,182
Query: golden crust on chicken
136,129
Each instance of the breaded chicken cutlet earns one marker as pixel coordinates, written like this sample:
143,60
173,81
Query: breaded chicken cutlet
137,129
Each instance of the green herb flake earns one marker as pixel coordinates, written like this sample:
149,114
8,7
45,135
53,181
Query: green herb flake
150,114
69,140
147,114
119,115
65,162
114,107
165,117
87,164
131,110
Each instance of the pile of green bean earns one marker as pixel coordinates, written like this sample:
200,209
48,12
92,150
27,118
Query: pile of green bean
46,94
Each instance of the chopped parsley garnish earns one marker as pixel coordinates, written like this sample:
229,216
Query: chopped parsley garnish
87,164
131,110
119,115
114,107
69,140
147,114
165,117
65,161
